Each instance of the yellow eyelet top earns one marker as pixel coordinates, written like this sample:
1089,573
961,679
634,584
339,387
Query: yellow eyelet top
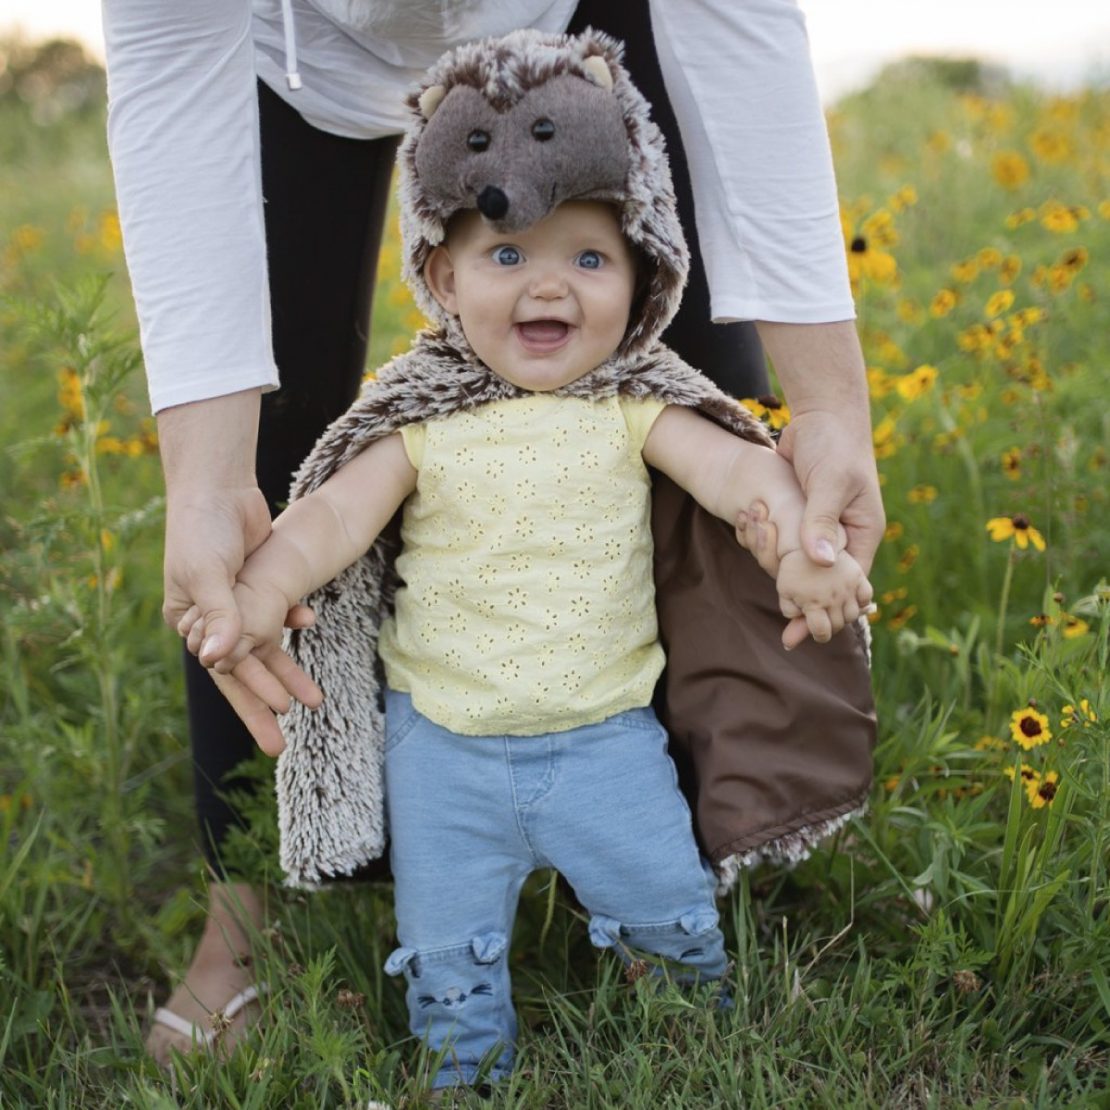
527,602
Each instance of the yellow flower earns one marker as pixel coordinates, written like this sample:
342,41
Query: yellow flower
894,531
1010,169
974,338
1028,774
966,271
909,311
1022,216
883,438
1074,627
909,557
1104,209
912,385
1009,269
1041,620
769,409
990,744
906,197
1044,791
1016,527
1050,146
1028,728
922,495
1084,715
943,302
108,233
989,257
938,142
866,258
902,618
879,229
879,382
1058,217
999,302
1074,260
1011,463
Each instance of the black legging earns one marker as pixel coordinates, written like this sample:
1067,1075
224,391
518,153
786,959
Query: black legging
325,206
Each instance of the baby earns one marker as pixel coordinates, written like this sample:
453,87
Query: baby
522,651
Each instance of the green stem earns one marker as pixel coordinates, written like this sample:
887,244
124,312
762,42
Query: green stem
1000,632
112,816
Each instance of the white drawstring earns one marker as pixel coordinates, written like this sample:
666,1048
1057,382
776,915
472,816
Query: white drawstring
292,77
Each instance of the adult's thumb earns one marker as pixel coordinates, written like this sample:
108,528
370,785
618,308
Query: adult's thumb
221,624
821,529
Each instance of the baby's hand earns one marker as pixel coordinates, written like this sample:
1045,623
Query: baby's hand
819,601
257,676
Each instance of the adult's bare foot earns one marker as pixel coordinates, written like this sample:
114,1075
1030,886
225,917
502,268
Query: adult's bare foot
221,968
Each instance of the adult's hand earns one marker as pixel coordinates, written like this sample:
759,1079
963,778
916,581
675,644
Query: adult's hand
215,513
828,439
840,484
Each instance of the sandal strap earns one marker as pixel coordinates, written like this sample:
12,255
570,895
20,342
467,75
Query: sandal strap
196,1032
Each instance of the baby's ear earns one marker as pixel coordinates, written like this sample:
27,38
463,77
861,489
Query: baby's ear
439,276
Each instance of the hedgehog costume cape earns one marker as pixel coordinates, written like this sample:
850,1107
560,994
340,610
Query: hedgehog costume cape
773,750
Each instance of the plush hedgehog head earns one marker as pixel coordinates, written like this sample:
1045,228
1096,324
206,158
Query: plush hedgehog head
515,126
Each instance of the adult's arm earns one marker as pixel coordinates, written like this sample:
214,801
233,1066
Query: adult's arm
740,80
183,137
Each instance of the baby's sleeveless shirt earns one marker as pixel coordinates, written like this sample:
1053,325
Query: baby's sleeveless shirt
527,602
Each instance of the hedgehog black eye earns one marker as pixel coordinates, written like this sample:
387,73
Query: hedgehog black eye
542,130
478,141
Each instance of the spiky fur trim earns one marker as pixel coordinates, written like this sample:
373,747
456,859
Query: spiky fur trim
789,849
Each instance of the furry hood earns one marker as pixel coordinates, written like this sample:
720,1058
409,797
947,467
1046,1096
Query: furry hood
514,126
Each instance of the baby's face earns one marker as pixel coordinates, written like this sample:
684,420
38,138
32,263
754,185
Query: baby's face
544,306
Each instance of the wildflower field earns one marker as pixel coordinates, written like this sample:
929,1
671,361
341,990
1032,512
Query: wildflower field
951,949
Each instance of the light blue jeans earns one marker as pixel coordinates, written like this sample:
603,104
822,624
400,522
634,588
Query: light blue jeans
470,817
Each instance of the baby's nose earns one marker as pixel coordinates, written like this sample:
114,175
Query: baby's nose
548,284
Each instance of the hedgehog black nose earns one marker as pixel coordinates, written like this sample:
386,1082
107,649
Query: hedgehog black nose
492,202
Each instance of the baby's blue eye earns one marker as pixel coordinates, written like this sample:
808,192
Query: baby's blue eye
589,260
506,256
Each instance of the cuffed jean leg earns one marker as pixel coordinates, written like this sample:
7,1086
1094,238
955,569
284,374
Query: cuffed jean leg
616,824
458,862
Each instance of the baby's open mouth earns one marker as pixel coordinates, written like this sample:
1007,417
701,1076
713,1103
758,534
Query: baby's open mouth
542,335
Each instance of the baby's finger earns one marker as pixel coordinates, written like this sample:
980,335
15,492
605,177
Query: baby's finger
865,593
196,636
292,677
795,633
851,611
188,620
820,627
253,712
788,608
300,616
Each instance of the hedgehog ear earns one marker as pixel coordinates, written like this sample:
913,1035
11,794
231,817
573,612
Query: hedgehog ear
430,100
597,69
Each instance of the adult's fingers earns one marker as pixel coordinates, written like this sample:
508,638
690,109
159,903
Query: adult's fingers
291,677
820,627
795,633
253,712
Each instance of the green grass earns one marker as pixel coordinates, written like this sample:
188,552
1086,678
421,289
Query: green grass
950,950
